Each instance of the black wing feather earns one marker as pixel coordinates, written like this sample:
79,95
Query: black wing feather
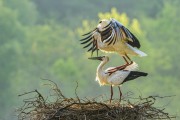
88,40
134,74
135,42
88,45
108,24
90,32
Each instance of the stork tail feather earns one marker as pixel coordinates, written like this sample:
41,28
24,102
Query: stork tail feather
134,74
140,53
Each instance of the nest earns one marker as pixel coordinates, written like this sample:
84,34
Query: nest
37,108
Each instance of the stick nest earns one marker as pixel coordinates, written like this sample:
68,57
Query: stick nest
37,108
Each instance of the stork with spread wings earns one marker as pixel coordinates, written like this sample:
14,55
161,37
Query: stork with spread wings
111,36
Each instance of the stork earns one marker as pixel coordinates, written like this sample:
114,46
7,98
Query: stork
112,36
118,77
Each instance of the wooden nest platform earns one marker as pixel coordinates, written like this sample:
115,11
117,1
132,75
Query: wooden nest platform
37,108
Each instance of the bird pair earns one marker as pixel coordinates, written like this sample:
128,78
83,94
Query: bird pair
111,36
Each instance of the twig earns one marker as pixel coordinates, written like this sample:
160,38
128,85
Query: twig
37,108
76,92
26,93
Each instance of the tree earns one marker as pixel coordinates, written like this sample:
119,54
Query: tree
162,32
11,34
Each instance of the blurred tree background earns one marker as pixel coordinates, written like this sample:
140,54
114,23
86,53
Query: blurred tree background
39,39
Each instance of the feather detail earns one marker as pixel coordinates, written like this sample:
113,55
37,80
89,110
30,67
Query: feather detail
134,66
138,52
90,32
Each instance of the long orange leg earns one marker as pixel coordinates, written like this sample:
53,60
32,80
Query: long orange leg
111,93
120,93
125,60
129,59
127,63
122,66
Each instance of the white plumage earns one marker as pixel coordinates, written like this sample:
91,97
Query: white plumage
118,77
112,36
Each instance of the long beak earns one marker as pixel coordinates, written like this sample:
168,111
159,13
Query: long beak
96,58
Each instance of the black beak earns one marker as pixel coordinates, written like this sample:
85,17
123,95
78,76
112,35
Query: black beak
96,58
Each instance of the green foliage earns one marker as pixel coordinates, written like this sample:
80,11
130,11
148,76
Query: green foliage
25,10
39,39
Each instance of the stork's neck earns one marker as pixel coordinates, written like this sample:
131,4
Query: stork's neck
101,76
100,67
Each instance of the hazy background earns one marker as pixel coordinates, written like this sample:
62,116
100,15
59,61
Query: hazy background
40,39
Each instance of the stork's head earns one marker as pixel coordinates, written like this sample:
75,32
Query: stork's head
102,24
101,58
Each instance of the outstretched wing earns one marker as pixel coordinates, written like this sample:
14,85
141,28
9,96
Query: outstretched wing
111,33
115,31
126,34
89,41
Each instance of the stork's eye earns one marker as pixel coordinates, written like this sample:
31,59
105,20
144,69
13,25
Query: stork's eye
100,21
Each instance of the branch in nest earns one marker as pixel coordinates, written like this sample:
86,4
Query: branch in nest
36,108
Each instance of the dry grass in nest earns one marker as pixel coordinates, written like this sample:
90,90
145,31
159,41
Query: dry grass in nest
63,108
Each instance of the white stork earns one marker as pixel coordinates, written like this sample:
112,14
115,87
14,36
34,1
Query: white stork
112,36
104,77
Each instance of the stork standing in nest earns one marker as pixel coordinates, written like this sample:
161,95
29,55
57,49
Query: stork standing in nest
112,36
104,77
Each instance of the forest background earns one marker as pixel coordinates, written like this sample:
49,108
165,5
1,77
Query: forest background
40,39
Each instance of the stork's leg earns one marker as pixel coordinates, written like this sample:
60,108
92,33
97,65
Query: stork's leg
120,93
97,48
119,67
129,58
123,66
111,71
111,93
127,63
